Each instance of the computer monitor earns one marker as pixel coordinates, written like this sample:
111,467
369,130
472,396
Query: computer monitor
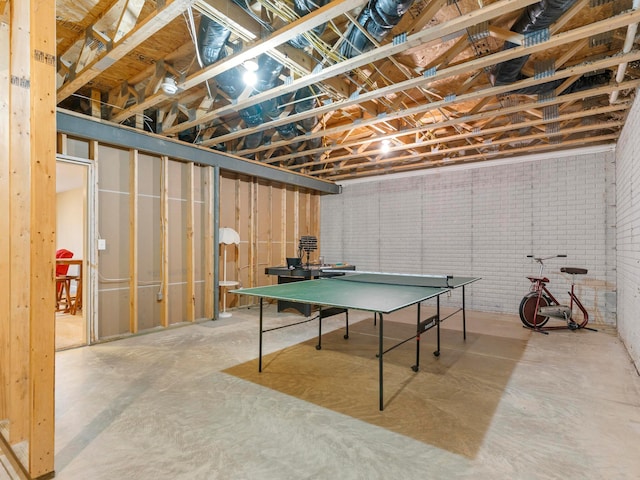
294,262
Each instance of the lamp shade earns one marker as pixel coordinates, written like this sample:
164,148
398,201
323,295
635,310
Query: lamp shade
228,236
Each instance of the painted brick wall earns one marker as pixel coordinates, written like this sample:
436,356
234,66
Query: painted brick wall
483,221
628,233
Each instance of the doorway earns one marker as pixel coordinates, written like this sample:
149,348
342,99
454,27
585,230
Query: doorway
71,254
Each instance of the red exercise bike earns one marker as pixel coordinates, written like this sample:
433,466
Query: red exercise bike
539,305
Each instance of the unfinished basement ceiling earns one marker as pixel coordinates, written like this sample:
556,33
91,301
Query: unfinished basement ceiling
346,88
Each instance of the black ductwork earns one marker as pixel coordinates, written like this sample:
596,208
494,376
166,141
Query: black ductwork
303,7
378,19
212,38
535,17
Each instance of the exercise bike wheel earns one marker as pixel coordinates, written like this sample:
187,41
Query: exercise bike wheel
527,310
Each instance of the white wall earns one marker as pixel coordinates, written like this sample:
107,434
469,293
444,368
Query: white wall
483,221
628,228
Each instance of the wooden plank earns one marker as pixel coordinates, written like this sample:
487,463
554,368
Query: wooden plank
164,240
190,246
43,237
93,268
330,10
253,234
283,224
208,239
291,30
5,196
128,18
453,71
20,217
133,241
96,103
146,29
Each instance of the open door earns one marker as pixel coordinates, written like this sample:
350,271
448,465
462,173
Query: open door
72,192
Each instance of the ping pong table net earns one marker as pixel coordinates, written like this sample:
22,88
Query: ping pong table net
404,279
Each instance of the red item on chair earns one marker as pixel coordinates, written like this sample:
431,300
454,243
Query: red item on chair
62,270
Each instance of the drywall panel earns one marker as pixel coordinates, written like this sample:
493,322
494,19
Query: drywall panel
113,228
199,241
77,148
177,215
149,243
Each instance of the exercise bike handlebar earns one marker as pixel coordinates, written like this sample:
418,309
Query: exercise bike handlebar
541,259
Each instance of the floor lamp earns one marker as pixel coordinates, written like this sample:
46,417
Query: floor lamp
227,236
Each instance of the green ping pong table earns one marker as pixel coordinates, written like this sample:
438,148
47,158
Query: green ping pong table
380,293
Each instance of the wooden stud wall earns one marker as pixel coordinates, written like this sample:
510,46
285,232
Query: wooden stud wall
209,284
27,247
5,339
270,219
164,240
190,254
133,241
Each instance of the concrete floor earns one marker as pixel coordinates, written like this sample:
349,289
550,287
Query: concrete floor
159,406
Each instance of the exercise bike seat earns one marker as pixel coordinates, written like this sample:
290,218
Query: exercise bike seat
574,271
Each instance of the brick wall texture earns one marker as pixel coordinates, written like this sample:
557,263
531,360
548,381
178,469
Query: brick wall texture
483,221
628,233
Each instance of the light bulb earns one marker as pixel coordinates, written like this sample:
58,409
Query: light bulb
250,78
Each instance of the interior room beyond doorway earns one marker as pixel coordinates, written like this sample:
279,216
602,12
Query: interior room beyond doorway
71,208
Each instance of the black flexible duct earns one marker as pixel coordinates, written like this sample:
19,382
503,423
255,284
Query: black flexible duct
378,19
534,18
268,72
302,7
212,38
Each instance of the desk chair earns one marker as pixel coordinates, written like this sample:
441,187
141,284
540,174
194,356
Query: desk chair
63,281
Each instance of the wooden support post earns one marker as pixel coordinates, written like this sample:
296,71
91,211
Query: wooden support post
96,104
27,220
283,226
133,241
91,309
253,236
164,240
208,239
5,211
190,247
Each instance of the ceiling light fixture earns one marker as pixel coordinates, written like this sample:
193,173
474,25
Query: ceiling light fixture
250,76
169,86
251,65
385,146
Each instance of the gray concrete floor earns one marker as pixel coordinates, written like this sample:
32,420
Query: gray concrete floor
159,406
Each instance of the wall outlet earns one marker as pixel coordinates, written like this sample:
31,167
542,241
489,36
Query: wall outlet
102,244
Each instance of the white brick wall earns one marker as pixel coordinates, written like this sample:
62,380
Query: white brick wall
628,233
483,221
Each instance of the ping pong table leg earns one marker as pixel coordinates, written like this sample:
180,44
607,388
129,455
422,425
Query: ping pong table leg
260,342
319,345
380,354
416,367
437,352
464,317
